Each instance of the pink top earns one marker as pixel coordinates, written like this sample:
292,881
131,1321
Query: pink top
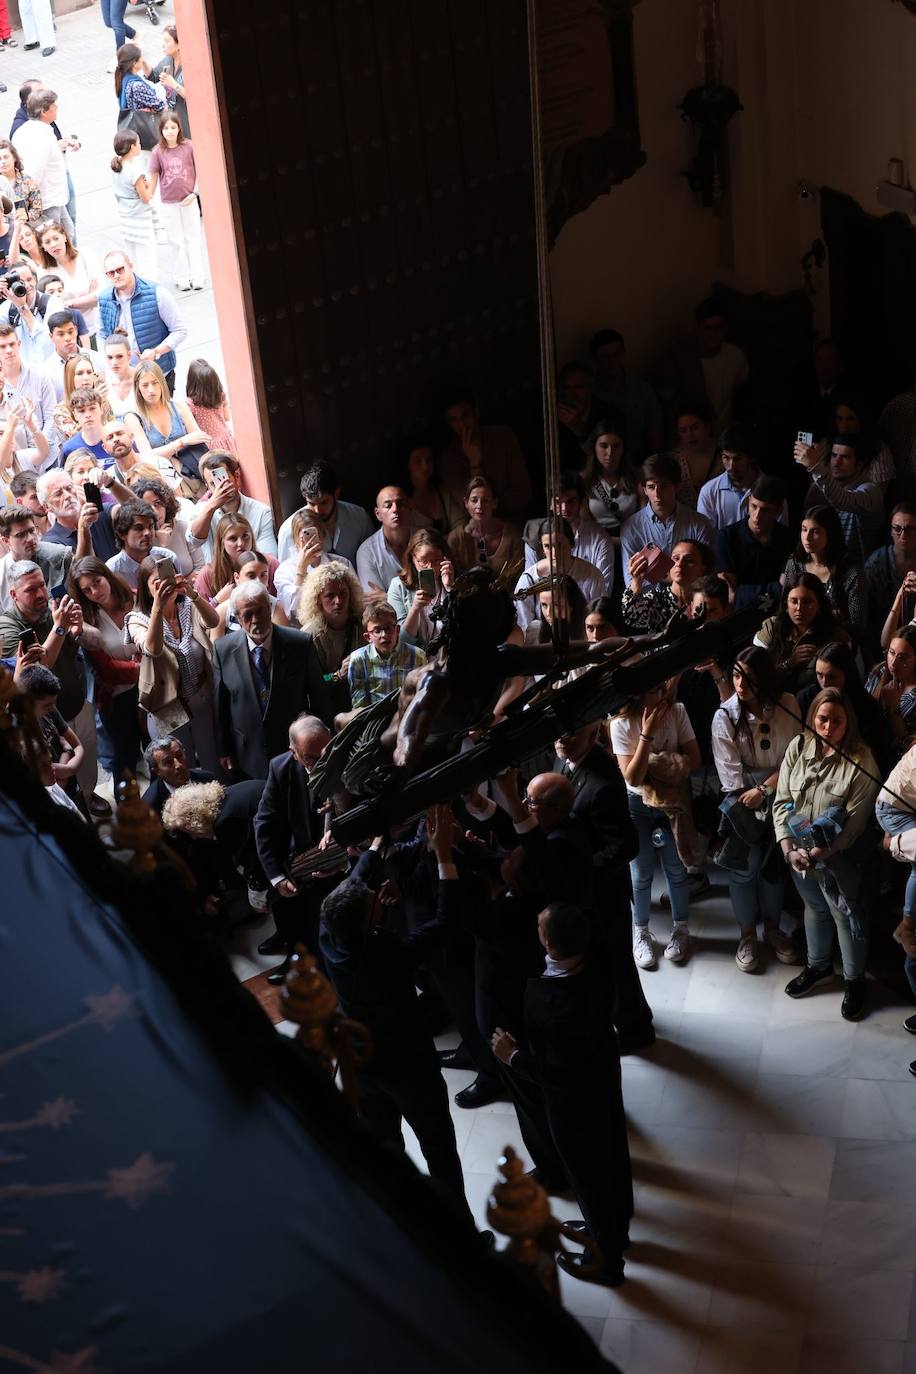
212,423
203,582
176,171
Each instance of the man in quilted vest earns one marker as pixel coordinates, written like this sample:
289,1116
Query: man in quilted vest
143,310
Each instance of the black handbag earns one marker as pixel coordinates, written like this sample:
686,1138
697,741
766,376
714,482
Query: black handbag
143,123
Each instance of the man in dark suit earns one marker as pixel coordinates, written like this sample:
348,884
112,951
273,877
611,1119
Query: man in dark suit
168,768
260,682
600,804
287,823
566,1053
373,971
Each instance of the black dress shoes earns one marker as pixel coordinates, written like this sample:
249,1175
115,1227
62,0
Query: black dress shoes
278,975
480,1093
854,999
575,1264
458,1058
274,944
578,1225
910,1025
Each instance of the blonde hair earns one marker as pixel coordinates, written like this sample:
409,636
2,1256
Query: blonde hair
193,808
318,581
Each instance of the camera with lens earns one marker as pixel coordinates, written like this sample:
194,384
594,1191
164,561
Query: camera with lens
15,285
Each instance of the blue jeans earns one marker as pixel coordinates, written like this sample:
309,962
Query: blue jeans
113,18
754,897
646,819
821,917
894,822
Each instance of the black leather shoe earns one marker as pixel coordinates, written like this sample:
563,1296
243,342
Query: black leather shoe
278,974
913,1068
808,979
574,1265
29,46
910,1025
478,1094
458,1058
631,1042
578,1225
274,944
854,999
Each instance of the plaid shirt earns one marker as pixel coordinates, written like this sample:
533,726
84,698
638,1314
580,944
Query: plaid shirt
371,678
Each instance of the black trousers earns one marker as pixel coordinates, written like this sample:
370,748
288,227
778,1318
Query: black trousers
454,982
411,1088
632,1013
589,1134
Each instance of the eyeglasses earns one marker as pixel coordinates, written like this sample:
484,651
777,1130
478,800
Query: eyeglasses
532,803
901,530
114,271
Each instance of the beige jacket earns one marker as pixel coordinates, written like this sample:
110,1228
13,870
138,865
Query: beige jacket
810,782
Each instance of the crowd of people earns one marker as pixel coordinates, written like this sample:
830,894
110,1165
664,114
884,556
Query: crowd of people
159,620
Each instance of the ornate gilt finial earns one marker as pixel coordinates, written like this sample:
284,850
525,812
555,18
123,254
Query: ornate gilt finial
136,826
339,1044
519,1208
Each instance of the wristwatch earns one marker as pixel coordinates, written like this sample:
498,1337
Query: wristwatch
60,630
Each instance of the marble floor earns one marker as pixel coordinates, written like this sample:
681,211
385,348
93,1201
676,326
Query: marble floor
774,1157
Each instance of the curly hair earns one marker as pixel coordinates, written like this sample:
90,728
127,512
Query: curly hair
318,581
192,809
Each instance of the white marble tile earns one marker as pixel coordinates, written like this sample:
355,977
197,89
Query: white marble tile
786,1165
817,1047
882,1050
691,1160
765,1297
700,1039
727,1350
808,1104
874,1171
643,1089
650,1347
878,1110
822,1354
487,1138
860,1301
664,1217
664,1289
875,1235
776,1230
720,1096
718,988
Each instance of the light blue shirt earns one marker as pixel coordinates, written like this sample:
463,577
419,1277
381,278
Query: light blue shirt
646,528
725,504
129,568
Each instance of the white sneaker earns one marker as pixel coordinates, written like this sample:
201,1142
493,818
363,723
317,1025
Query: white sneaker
781,945
747,954
643,948
679,945
197,286
185,286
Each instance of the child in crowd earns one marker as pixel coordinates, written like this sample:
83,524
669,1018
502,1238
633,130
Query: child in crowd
209,404
135,211
53,285
384,663
173,170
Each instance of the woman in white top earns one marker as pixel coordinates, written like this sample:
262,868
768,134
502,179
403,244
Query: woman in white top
120,374
655,725
426,552
750,734
106,599
81,275
171,531
311,544
134,196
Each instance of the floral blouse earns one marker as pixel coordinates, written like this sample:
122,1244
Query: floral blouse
26,189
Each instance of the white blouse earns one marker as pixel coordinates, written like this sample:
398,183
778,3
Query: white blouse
743,761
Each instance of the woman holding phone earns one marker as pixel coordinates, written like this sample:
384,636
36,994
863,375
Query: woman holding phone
170,626
647,606
106,599
418,587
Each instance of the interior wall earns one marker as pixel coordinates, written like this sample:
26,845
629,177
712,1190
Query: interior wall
829,89
856,94
639,258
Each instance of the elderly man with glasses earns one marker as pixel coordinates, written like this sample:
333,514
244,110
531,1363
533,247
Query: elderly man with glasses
145,311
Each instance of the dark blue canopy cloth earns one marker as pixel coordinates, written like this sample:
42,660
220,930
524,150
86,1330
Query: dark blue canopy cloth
180,1189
